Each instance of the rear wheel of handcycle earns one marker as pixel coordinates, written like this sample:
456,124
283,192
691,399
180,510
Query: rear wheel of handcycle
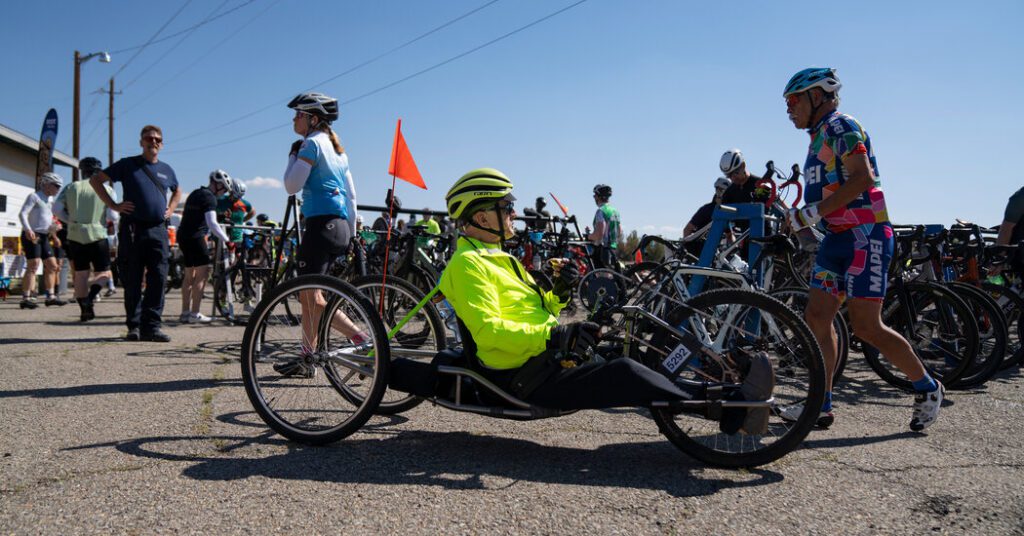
992,335
796,299
300,397
1012,306
942,333
420,339
737,326
601,286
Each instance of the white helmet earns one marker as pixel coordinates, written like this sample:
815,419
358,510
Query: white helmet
731,161
238,188
51,178
222,178
721,183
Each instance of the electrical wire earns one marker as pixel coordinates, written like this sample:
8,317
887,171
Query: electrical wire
143,47
399,81
173,35
346,72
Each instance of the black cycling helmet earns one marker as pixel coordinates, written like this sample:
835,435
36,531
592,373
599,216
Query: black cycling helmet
89,165
262,218
540,203
603,190
318,104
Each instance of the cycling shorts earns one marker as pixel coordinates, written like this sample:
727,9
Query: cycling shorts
325,238
40,249
194,251
95,254
855,262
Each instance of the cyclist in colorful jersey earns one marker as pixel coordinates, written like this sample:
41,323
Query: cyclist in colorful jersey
607,229
234,209
514,333
318,167
843,191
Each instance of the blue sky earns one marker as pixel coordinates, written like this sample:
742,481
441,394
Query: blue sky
641,95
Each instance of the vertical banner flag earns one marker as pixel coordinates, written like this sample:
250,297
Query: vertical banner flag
47,141
402,164
565,210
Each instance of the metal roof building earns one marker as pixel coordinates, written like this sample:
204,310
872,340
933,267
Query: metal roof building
18,155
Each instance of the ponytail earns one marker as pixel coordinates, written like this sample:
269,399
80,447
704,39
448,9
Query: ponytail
324,126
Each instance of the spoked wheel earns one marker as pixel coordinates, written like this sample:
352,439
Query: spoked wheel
295,378
738,328
992,335
1012,306
796,299
938,325
224,296
421,338
600,287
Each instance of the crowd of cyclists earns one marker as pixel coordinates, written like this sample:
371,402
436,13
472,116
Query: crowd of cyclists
542,309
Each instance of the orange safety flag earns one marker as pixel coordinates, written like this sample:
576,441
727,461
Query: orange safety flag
565,210
402,165
639,256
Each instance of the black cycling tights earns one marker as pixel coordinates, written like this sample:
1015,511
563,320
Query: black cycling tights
611,384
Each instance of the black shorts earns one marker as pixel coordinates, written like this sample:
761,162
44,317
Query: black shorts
325,238
95,254
40,249
194,251
604,257
61,251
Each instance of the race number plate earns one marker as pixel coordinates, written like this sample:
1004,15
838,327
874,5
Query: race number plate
680,354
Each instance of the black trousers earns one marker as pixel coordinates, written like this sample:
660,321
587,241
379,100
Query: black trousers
607,384
143,249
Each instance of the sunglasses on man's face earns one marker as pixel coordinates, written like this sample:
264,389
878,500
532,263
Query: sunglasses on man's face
507,208
154,139
792,100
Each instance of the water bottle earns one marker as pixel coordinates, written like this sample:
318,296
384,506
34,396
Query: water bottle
737,263
807,239
536,261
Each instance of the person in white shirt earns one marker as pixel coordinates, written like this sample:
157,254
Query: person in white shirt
37,222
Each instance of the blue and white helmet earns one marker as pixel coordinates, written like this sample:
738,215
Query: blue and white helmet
823,77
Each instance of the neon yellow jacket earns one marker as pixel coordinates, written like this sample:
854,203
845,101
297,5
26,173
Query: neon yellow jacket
507,317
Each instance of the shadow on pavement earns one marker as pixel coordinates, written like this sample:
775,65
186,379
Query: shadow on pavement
842,442
75,340
453,460
120,388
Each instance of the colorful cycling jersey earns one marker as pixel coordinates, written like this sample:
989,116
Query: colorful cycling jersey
329,185
508,315
838,135
612,228
238,209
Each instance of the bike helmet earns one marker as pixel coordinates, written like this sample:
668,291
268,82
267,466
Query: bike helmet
318,104
469,192
823,77
603,190
731,161
51,178
721,183
89,165
222,178
238,189
262,218
540,203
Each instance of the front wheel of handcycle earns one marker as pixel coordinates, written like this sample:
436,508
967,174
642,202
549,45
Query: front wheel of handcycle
295,374
736,328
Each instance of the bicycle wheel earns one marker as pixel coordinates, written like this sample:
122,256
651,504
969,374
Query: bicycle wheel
736,325
224,295
601,287
940,328
796,299
304,403
421,338
1012,306
991,336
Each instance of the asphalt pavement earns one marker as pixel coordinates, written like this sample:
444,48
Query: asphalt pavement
103,436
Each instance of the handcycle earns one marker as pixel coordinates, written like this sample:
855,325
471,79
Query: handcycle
707,345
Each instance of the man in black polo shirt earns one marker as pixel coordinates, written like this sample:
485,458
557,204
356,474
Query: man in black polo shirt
142,237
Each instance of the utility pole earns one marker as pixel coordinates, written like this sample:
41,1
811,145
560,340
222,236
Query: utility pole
110,120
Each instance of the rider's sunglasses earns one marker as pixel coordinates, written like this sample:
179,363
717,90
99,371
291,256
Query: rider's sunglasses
792,100
507,208
154,139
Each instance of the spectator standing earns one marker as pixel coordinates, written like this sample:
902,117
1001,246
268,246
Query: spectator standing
37,223
142,236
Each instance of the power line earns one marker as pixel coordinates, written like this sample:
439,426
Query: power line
201,57
175,46
143,47
399,81
346,72
173,35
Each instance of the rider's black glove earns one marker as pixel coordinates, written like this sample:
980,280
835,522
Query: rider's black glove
574,338
295,147
567,279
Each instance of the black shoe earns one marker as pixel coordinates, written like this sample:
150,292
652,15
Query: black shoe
28,304
94,291
295,368
133,335
54,300
156,336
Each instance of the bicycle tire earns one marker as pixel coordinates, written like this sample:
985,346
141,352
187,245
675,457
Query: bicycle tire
431,334
796,298
946,358
1012,305
700,436
992,335
265,342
